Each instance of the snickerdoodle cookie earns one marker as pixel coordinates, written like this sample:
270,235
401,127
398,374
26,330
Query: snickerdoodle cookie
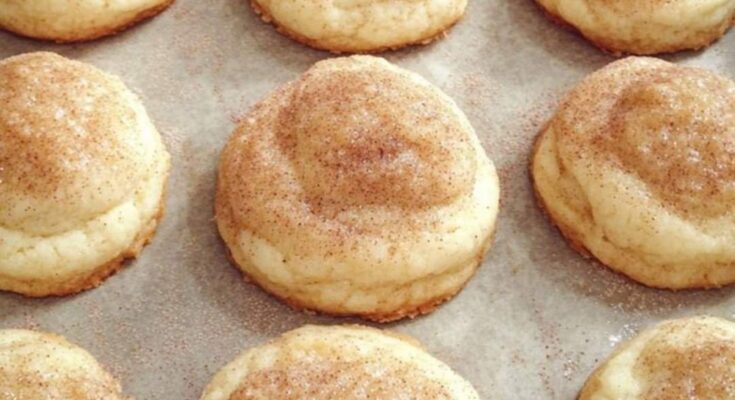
361,26
691,358
358,189
338,362
645,26
637,167
75,20
43,366
82,175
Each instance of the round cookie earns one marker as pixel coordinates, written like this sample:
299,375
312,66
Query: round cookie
637,167
359,189
645,26
75,20
692,358
361,26
36,365
348,362
82,172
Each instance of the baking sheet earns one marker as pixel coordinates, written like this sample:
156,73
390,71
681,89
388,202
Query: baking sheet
533,322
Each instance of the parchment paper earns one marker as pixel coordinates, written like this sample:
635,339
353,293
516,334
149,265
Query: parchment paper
532,324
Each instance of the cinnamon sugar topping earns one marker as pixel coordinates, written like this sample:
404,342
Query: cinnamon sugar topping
367,138
688,362
70,142
350,147
326,379
673,127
